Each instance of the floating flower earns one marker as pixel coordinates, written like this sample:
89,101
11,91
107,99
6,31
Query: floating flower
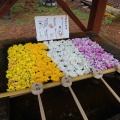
42,62
95,54
67,57
28,64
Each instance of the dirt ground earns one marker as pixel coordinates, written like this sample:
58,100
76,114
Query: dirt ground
12,31
111,32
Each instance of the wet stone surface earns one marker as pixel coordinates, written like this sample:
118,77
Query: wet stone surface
58,103
4,109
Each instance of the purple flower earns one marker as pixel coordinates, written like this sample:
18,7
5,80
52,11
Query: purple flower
95,54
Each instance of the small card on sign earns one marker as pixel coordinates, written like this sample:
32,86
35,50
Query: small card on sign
52,27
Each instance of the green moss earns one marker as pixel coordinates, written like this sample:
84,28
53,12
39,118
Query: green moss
80,14
17,8
107,20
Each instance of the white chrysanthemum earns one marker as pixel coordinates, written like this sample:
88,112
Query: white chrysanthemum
68,58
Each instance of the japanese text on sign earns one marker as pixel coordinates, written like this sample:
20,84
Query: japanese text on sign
52,27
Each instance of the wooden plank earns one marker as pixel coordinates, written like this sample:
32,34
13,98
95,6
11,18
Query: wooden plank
6,7
52,84
71,14
96,15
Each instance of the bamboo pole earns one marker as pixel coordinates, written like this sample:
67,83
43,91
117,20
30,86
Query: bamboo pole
66,81
98,74
52,84
78,104
111,90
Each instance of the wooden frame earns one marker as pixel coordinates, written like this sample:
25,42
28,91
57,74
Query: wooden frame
95,19
52,84
96,15
71,14
91,35
6,7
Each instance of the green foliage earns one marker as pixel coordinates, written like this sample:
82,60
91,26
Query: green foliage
22,22
46,10
17,8
40,9
107,20
80,14
30,10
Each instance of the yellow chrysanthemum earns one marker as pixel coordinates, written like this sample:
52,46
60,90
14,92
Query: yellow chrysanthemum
28,64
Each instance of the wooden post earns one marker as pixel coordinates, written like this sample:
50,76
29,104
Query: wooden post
2,2
6,7
96,15
71,14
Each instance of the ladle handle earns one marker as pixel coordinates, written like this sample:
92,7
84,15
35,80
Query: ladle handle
41,108
111,90
78,104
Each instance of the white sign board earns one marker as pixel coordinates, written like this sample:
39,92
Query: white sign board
52,27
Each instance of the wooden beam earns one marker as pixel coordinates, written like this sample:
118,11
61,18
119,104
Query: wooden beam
96,15
6,7
2,2
52,84
71,14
